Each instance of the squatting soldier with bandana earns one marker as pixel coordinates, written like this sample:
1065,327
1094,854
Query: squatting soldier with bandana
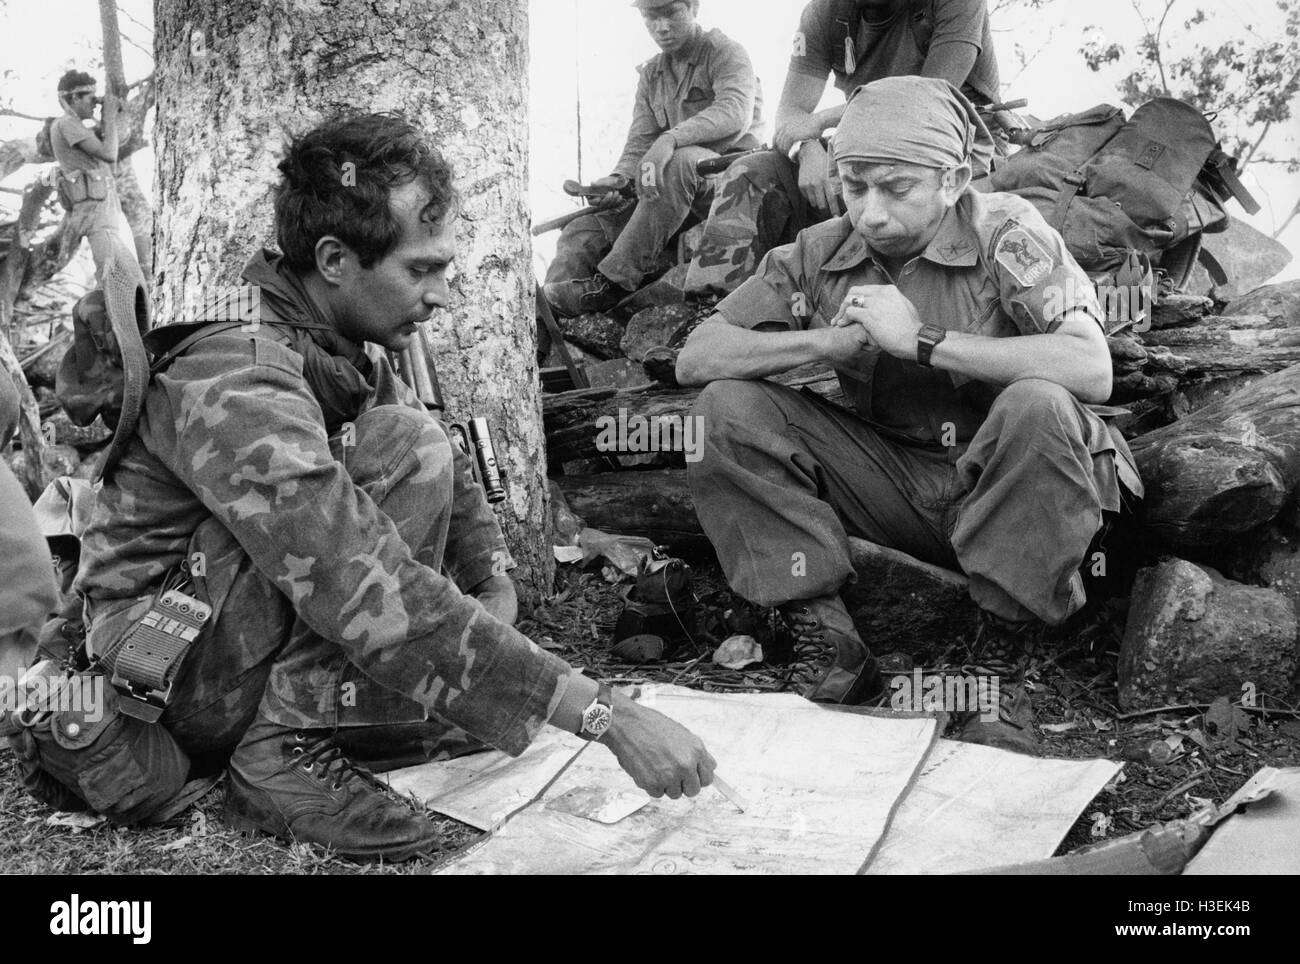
765,199
695,99
970,345
362,610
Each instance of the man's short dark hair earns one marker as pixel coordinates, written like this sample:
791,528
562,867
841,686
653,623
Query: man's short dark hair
74,79
337,181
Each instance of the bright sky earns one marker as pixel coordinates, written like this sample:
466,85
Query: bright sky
584,54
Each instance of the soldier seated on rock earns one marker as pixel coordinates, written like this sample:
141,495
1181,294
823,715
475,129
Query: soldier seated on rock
970,345
363,611
696,99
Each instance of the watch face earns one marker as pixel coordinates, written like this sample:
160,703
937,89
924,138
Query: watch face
596,718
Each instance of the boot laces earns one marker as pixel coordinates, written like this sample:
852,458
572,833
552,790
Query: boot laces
810,655
323,753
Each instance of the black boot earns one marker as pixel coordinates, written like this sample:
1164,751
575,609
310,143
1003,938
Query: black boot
298,786
830,653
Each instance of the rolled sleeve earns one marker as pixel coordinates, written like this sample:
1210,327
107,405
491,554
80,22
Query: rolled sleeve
960,21
810,55
777,294
1039,282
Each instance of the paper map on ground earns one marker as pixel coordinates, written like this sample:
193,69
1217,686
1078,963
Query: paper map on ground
975,807
819,786
812,807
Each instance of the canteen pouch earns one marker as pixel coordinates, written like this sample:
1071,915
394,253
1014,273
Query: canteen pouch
99,758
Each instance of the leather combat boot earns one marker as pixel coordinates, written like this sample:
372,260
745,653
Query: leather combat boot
298,786
830,654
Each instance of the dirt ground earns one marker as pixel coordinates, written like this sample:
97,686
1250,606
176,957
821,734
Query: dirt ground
1071,678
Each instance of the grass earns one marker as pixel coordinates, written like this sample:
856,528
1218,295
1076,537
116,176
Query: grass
1071,675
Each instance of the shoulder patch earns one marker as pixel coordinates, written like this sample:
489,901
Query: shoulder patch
1018,252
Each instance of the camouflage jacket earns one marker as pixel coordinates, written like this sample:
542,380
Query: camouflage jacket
706,94
232,430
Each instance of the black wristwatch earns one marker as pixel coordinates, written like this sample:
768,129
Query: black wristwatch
597,717
926,339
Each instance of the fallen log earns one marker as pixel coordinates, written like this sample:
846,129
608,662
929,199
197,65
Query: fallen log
571,418
656,504
1226,468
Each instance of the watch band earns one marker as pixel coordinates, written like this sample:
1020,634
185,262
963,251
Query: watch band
598,716
926,339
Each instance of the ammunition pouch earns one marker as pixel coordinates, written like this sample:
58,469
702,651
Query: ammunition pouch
97,757
84,186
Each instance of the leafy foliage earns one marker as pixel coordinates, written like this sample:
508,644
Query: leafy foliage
1249,81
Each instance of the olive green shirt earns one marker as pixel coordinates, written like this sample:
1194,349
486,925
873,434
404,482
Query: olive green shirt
705,94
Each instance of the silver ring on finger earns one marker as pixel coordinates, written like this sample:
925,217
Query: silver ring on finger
857,301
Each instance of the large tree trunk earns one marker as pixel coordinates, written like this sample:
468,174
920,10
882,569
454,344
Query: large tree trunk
237,76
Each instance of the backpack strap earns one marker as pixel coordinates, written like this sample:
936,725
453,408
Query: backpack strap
1072,186
1213,267
126,298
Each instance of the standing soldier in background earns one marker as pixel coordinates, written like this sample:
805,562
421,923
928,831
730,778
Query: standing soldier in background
695,99
86,186
765,199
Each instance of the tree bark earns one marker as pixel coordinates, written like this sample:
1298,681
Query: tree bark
1225,469
12,271
237,76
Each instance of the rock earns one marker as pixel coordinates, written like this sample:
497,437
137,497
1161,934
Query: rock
1249,258
1193,636
1279,303
1269,557
665,326
1176,310
596,333
901,604
617,373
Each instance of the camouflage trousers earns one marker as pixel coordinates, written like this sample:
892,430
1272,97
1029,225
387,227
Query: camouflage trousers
786,477
757,206
627,244
258,657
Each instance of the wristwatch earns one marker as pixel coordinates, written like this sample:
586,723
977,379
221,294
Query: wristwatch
597,717
926,340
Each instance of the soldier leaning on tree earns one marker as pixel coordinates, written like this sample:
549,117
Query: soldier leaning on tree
362,611
697,98
85,169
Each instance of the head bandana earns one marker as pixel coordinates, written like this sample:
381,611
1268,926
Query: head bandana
913,120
